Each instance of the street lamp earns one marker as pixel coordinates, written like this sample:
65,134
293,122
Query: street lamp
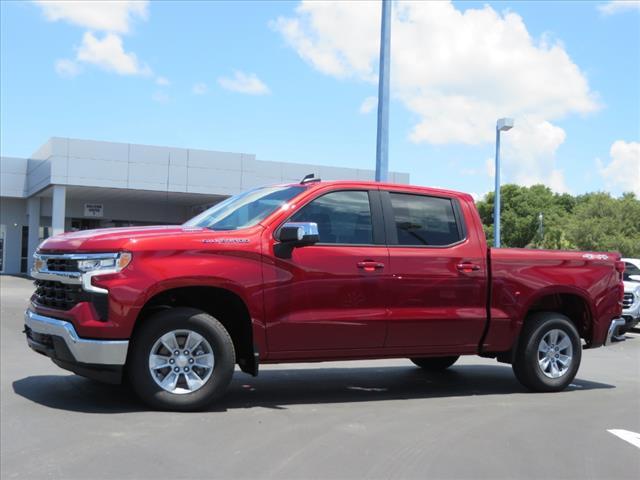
502,125
541,226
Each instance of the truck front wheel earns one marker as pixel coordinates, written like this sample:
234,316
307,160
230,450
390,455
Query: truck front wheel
181,359
549,352
435,364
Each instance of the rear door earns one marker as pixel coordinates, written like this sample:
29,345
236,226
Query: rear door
331,295
439,280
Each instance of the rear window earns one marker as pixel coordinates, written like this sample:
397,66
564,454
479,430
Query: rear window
424,221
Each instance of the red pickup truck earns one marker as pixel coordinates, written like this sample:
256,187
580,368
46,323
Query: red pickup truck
311,272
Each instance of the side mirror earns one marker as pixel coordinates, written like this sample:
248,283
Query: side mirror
635,278
299,233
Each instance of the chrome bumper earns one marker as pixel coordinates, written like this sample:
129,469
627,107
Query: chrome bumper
95,352
615,324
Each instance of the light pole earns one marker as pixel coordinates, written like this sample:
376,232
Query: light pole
502,125
541,226
382,142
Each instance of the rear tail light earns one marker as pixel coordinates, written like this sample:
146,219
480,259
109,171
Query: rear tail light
620,270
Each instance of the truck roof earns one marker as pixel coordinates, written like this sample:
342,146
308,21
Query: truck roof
372,184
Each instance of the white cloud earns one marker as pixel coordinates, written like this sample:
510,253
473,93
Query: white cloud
490,164
622,174
103,15
199,88
242,82
163,81
67,68
618,6
368,105
322,34
458,71
111,17
529,154
108,54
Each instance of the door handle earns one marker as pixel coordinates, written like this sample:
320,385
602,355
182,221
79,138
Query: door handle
370,265
467,267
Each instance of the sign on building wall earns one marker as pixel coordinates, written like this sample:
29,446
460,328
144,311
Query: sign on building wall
93,210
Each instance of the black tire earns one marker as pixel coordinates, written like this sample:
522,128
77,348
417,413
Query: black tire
435,364
526,364
180,318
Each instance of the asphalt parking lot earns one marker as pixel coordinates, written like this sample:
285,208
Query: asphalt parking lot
370,419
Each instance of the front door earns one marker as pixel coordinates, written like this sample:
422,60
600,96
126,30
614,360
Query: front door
329,296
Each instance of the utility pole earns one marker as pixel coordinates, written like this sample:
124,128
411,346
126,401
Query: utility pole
382,144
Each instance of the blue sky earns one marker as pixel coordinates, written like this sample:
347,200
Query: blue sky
289,82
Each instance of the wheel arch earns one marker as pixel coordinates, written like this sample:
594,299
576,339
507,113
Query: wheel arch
571,302
223,303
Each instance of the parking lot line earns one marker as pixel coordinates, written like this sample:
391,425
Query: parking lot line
632,437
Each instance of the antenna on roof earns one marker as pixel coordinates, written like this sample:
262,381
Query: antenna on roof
309,178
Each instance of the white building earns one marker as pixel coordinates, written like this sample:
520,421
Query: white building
70,184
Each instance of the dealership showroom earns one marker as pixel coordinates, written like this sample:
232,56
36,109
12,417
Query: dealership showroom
71,184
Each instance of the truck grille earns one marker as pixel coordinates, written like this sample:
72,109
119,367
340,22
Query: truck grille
627,300
57,294
62,264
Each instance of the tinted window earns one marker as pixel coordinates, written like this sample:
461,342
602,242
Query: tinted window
342,217
424,220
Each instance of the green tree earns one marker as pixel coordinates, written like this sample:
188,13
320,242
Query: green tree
521,208
601,222
594,221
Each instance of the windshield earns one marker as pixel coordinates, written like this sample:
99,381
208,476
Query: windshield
246,209
630,269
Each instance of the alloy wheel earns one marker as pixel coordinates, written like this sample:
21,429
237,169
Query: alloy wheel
555,353
181,361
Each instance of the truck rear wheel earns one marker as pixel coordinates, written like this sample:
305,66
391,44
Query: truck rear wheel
549,352
181,359
435,364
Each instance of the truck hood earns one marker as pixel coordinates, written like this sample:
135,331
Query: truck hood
109,239
631,286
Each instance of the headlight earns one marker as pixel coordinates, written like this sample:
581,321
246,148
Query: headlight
39,263
111,262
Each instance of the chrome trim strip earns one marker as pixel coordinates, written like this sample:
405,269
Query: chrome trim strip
76,256
101,352
87,286
615,323
73,278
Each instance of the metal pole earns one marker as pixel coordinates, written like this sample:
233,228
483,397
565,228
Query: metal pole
541,226
382,143
496,200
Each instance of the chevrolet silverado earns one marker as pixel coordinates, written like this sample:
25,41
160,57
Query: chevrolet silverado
314,271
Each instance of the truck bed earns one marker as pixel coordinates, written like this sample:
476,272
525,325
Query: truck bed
525,279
